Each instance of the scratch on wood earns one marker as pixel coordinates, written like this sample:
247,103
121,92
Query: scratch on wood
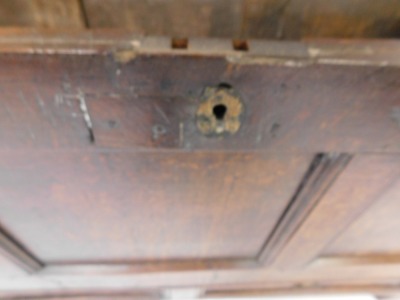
260,132
80,96
45,112
281,23
281,26
23,101
58,99
114,95
86,116
31,133
41,104
29,110
181,132
158,131
303,62
162,113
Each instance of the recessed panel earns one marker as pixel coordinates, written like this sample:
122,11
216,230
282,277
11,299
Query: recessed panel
118,206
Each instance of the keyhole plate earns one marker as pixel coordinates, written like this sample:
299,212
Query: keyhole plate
219,112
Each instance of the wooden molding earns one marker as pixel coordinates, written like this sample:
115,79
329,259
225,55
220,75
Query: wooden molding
322,173
362,260
133,267
331,217
381,290
18,254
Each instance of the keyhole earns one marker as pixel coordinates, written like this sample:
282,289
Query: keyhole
219,111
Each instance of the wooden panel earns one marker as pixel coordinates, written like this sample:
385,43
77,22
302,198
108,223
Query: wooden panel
268,19
111,215
148,104
42,13
375,232
313,108
295,19
38,108
145,206
172,18
364,180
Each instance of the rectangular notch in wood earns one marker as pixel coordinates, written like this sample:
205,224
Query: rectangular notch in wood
240,45
179,43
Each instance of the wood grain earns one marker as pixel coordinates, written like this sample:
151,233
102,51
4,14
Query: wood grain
41,14
131,207
368,235
267,19
151,204
147,104
296,19
317,108
179,18
42,113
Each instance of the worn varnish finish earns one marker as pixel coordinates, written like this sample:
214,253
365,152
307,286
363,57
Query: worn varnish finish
108,187
148,104
312,108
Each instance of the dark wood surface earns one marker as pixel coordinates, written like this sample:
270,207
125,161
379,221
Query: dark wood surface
149,103
109,187
309,109
101,203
